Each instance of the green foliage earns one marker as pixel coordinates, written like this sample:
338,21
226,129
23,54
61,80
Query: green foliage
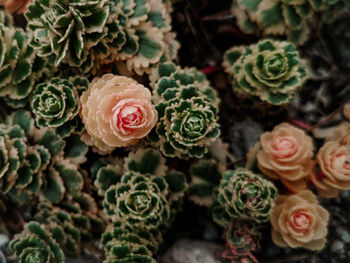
55,102
122,244
86,35
188,111
36,244
139,201
269,70
19,67
45,166
292,18
243,195
205,177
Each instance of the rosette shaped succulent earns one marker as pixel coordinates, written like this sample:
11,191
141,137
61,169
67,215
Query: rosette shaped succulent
139,201
299,221
269,70
241,240
56,174
122,244
117,111
294,19
66,29
36,244
61,225
21,164
188,111
286,154
19,67
54,103
243,195
333,159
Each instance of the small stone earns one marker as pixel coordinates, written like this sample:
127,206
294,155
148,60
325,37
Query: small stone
343,234
337,247
193,251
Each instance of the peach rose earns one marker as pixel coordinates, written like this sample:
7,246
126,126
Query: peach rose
117,111
346,111
15,6
334,161
299,221
286,155
339,132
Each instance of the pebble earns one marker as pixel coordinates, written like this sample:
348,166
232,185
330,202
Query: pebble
193,251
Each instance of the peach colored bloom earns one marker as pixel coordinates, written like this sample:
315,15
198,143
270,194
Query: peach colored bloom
299,221
16,6
117,111
334,161
286,155
339,132
347,111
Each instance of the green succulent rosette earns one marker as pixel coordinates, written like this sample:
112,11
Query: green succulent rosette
36,244
61,226
19,66
188,111
243,195
64,29
122,244
294,19
151,239
57,175
21,164
88,34
54,103
269,70
139,201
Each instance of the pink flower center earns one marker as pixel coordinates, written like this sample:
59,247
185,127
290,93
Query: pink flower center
285,146
127,118
341,161
300,220
130,116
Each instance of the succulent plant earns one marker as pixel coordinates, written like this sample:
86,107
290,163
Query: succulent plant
242,238
243,195
139,201
294,19
89,34
188,111
55,102
53,173
141,192
122,244
36,244
19,65
61,225
269,70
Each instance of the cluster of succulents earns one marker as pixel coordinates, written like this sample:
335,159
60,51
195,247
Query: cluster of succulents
293,19
141,198
103,135
87,35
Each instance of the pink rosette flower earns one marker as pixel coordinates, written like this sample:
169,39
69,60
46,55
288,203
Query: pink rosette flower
117,111
299,221
286,155
333,159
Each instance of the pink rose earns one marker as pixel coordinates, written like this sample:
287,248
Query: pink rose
117,111
299,221
334,161
286,155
